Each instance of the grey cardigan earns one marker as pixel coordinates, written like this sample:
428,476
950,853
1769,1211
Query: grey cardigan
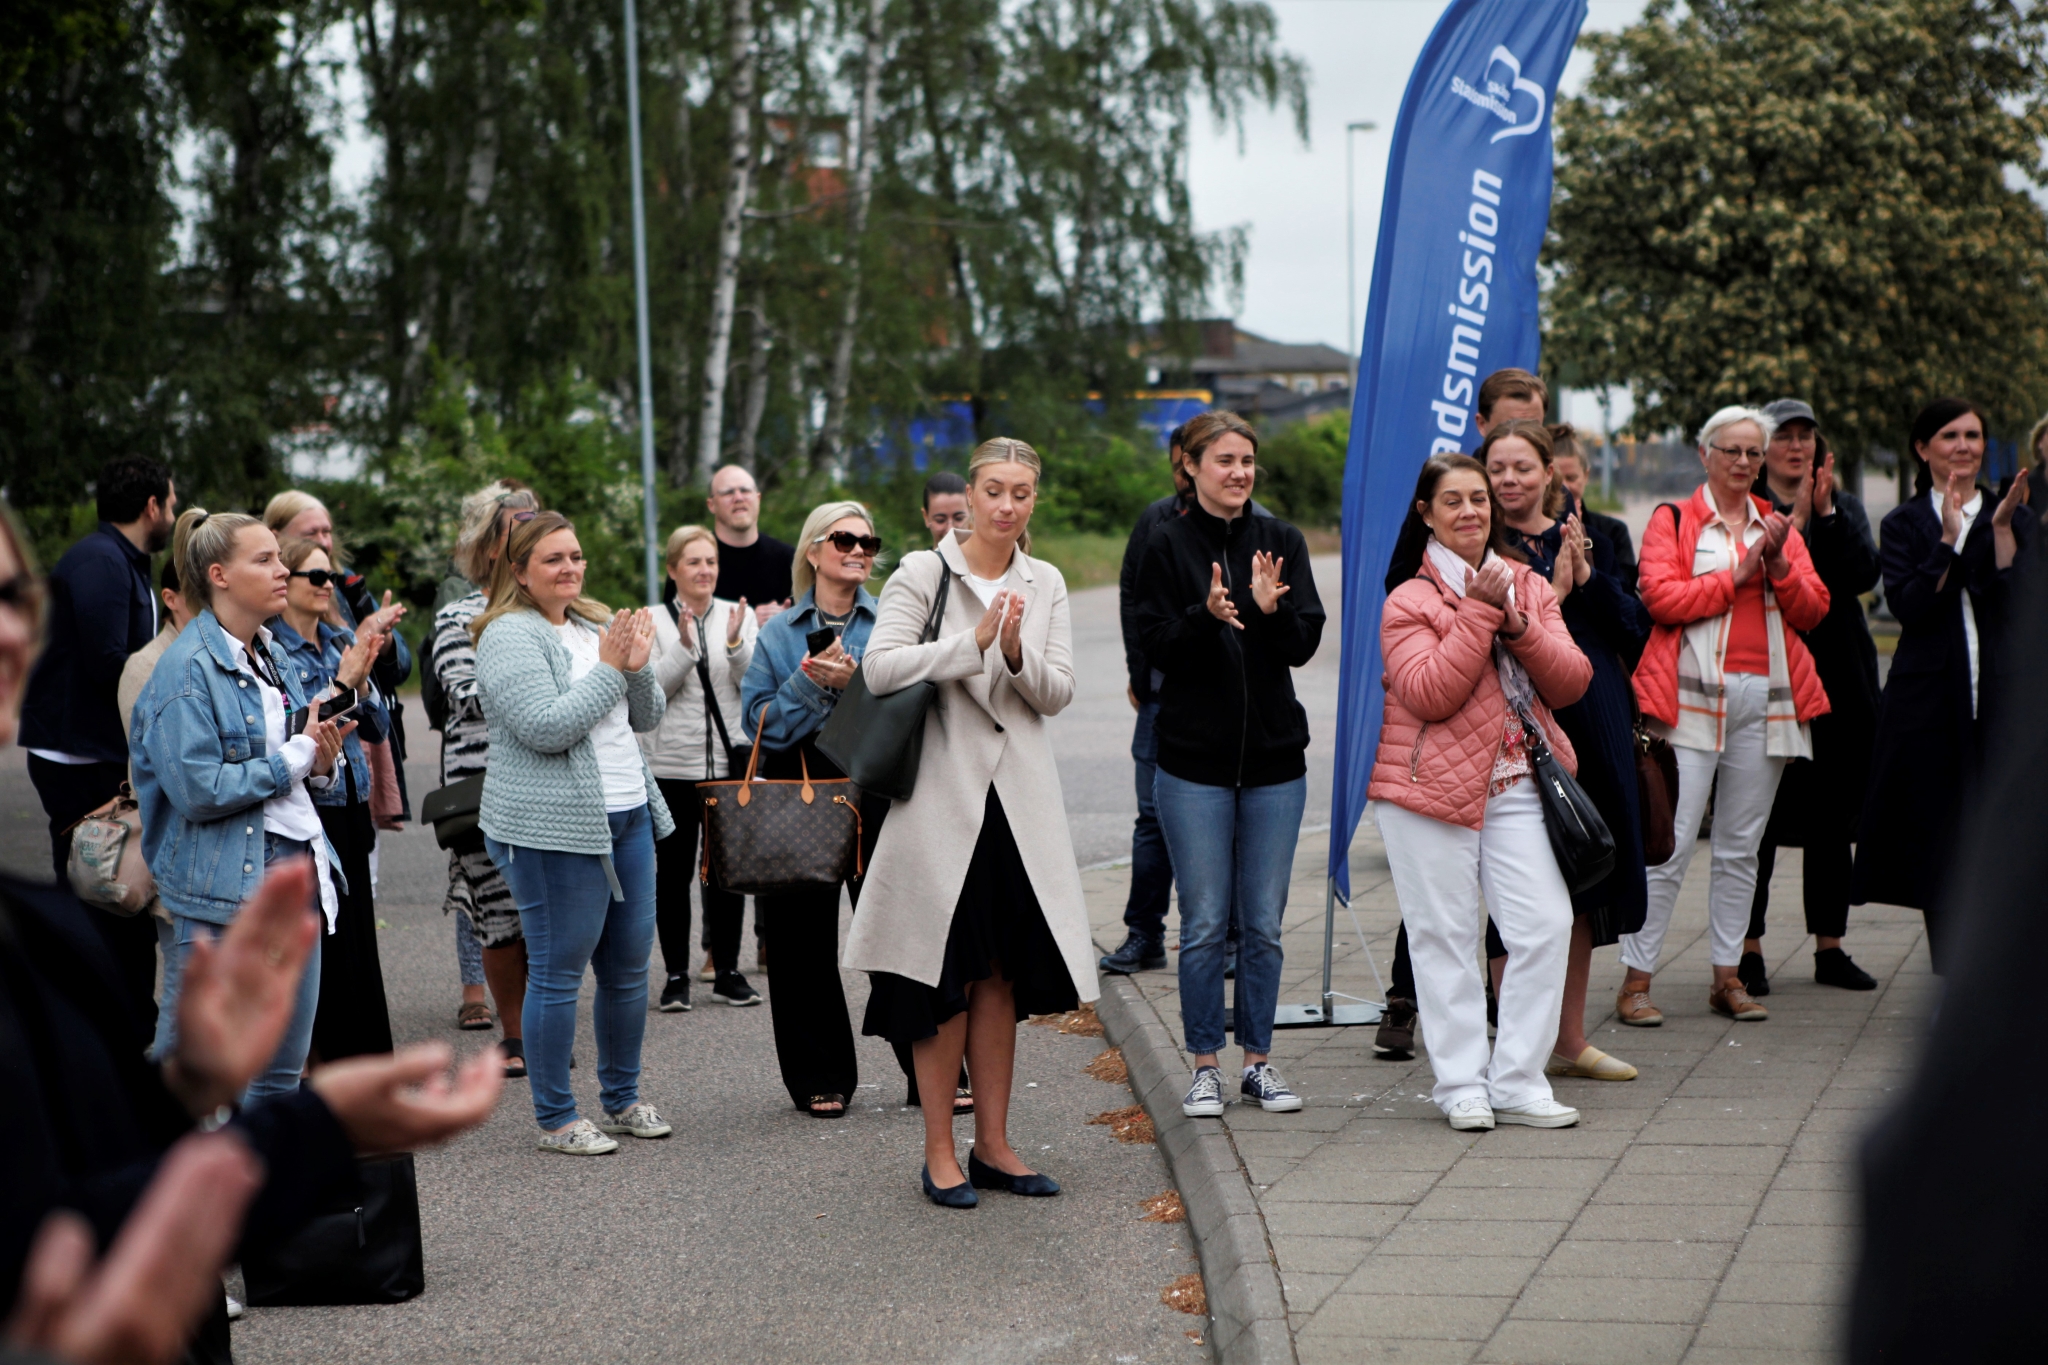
542,788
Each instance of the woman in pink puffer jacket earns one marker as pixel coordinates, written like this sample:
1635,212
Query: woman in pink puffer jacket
1471,636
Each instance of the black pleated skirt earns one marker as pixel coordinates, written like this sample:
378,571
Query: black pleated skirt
998,928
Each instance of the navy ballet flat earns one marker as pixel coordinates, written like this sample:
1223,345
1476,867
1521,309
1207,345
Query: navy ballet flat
961,1196
983,1176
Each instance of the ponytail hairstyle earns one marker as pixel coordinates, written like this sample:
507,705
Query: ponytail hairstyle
201,540
1928,424
508,594
1008,450
1413,542
1539,438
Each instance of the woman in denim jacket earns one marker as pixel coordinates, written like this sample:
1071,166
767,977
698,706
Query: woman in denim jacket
222,784
353,1018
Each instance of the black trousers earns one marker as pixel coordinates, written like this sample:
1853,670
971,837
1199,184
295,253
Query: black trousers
353,1018
813,1033
69,792
675,868
1825,884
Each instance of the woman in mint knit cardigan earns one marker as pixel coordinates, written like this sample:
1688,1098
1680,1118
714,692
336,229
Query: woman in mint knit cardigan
570,815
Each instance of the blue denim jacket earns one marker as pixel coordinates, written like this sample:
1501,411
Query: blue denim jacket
202,771
797,707
316,667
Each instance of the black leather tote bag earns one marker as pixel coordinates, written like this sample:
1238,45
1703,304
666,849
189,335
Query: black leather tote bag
1579,838
362,1247
878,741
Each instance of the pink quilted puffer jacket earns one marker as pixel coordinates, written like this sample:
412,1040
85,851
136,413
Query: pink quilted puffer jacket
1446,712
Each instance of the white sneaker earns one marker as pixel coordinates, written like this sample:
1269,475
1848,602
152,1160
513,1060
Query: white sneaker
1470,1113
580,1138
1538,1114
235,1309
642,1121
1205,1097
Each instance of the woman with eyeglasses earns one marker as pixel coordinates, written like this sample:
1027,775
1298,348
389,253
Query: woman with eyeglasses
333,662
477,894
803,660
1729,686
1951,558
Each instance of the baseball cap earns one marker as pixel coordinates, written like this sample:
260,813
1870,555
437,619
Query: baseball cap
1789,410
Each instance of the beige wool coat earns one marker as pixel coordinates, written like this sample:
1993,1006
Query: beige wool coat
986,726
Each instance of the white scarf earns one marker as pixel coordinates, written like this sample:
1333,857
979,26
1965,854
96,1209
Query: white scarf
1456,574
1702,688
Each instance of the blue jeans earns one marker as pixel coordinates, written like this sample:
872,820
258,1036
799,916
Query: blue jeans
571,922
281,1077
1232,847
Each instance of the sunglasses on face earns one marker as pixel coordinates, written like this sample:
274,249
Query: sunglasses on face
319,578
846,542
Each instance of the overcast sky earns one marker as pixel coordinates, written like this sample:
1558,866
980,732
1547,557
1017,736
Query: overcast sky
1291,196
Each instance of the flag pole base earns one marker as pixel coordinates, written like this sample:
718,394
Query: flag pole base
1329,1013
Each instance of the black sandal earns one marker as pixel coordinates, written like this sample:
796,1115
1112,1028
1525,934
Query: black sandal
815,1112
963,1093
515,1056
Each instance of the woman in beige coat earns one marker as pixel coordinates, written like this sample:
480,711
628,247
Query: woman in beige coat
965,927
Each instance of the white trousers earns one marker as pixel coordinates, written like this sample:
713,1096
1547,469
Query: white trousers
1748,786
1439,870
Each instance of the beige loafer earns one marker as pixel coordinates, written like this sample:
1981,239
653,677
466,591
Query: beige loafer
1634,1009
1592,1065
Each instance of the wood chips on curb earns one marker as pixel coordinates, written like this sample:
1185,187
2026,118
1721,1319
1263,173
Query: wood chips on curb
1164,1208
1129,1124
1109,1066
1186,1295
1081,1021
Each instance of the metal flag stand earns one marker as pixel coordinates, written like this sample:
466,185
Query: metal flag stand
1330,1014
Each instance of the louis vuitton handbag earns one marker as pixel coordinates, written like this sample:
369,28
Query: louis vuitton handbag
769,837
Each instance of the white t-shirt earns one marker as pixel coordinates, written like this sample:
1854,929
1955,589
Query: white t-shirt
291,812
618,755
986,588
1970,511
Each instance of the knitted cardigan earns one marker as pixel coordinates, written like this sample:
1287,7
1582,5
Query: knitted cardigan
542,788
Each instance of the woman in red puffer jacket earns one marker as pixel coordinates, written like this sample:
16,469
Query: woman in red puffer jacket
1473,639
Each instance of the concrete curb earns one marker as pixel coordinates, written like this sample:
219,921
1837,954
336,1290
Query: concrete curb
1248,1313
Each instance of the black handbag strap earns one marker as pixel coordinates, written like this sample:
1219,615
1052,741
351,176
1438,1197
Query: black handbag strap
938,615
704,681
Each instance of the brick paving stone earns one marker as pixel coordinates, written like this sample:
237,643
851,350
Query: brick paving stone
1704,1212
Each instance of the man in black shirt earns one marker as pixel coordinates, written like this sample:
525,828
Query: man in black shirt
750,565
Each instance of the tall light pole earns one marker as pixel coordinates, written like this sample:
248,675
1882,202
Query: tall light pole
1350,238
640,300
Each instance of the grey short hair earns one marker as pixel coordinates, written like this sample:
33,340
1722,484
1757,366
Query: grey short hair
1728,417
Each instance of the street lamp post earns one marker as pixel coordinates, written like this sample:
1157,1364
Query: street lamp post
640,301
1350,237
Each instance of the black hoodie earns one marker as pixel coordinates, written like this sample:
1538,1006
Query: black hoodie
1227,713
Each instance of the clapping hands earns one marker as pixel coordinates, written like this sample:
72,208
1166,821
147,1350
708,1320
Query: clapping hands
1490,585
626,643
1003,622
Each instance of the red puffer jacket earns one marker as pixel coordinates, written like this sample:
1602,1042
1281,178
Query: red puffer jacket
1446,713
1676,599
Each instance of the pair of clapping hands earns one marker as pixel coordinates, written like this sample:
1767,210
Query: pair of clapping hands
1267,589
162,1273
628,640
686,626
373,637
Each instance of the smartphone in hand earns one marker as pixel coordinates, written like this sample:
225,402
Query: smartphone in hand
820,640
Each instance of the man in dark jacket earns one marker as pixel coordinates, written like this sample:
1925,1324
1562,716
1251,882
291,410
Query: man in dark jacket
100,611
1818,799
1144,946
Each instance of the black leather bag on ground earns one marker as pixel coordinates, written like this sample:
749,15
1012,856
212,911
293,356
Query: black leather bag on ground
362,1247
878,741
452,811
1579,838
770,837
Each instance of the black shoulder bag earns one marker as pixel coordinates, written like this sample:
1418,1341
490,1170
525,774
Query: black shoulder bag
878,741
1579,838
362,1245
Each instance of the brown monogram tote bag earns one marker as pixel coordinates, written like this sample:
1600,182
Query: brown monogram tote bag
770,837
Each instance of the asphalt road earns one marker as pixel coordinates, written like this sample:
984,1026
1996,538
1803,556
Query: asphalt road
757,1233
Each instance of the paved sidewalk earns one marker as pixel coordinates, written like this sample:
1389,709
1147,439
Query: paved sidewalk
1703,1212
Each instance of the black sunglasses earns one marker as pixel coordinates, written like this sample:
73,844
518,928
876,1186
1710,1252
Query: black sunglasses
846,542
319,578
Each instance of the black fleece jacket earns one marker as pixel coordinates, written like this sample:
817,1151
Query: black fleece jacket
1227,713
1151,519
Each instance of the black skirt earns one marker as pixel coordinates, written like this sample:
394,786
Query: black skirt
997,927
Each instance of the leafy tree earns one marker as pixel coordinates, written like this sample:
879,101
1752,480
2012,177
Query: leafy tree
1757,199
1301,469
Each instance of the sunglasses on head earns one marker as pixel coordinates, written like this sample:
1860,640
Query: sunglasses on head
846,542
319,578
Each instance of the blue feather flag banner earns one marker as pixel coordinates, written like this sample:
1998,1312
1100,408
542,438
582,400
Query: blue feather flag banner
1453,299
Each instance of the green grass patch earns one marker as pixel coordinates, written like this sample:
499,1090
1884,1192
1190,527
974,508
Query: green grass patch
1086,559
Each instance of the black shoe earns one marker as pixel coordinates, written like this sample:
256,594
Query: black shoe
1137,955
985,1177
1396,1039
960,1196
675,996
1833,967
733,989
1229,963
1750,972
514,1050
